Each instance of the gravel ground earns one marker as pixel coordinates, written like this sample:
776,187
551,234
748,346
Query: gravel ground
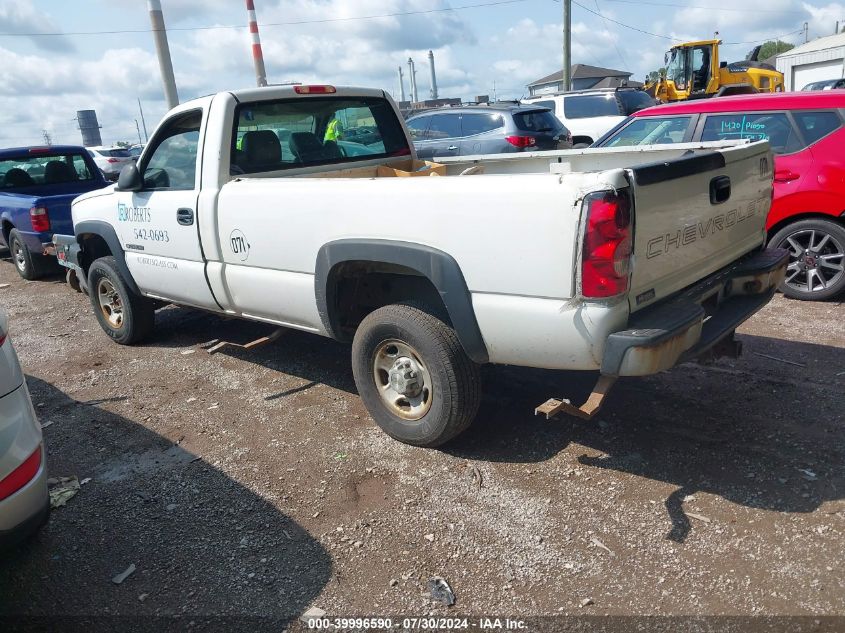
255,484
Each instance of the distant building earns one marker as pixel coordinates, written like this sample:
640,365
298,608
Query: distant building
814,61
583,77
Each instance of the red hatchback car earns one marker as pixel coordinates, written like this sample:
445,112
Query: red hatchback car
806,131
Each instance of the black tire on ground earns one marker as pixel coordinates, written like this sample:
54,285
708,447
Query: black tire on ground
125,316
28,264
449,382
816,252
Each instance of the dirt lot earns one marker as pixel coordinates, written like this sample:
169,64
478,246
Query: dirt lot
255,484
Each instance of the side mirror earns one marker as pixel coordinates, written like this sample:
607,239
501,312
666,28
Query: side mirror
130,179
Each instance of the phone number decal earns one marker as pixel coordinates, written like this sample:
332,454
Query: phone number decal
149,235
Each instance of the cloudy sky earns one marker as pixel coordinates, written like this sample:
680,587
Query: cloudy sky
60,57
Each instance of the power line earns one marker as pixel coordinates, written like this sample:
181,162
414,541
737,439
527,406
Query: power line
687,6
621,58
269,24
675,39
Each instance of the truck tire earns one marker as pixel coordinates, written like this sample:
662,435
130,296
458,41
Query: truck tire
414,376
125,316
816,267
28,264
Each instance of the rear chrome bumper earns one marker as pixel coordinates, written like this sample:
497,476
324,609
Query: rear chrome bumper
691,323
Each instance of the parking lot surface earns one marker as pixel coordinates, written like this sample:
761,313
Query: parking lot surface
254,483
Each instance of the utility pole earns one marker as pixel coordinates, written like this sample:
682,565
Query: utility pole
165,64
257,54
47,138
138,129
413,74
401,85
143,123
566,82
806,32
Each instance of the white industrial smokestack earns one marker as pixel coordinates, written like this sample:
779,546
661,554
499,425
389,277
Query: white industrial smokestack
401,85
433,75
414,96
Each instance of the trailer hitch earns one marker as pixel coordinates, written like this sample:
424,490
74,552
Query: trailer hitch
586,411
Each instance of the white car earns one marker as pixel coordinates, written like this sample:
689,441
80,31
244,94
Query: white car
588,114
24,502
111,160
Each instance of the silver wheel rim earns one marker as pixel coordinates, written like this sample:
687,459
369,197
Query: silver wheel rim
402,380
815,260
110,303
19,255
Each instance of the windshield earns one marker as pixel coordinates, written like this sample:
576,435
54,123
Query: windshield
676,68
650,131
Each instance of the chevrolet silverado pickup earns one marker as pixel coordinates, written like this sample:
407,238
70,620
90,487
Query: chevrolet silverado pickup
250,204
37,185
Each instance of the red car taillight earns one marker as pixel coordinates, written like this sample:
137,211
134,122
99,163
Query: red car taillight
606,257
3,333
113,160
21,475
40,219
521,141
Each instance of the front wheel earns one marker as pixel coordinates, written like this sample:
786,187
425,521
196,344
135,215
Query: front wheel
125,316
414,376
816,258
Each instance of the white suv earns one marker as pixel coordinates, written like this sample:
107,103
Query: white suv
588,114
111,160
24,502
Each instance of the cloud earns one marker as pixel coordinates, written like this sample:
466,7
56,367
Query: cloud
822,20
21,17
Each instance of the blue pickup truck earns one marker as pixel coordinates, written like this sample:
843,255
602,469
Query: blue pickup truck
37,185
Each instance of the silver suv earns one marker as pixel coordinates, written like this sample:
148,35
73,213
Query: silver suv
497,128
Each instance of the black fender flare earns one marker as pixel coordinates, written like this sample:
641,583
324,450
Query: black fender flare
107,232
438,267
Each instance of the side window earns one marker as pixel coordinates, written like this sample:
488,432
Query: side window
173,162
544,104
419,127
650,131
816,125
472,124
770,126
444,126
81,168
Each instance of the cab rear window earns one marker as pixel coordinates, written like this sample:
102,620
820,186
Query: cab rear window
42,169
290,133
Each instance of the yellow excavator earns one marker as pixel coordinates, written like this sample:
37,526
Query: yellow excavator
693,71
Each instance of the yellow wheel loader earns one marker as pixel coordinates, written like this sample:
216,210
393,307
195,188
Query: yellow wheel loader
693,71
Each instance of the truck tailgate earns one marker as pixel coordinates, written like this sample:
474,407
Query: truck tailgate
695,215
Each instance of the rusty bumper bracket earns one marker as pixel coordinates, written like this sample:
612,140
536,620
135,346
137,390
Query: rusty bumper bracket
587,410
264,340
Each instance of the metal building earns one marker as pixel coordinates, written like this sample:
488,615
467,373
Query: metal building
818,60
90,128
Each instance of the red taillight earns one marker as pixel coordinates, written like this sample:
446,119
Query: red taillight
314,90
21,475
113,160
40,219
521,141
40,150
607,245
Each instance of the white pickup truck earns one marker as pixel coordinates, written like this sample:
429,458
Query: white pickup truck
269,204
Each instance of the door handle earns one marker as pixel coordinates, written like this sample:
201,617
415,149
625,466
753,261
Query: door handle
785,175
185,216
452,148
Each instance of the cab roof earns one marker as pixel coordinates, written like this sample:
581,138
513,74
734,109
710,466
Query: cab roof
741,103
35,150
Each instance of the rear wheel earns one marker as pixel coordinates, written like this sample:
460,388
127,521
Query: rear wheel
125,316
28,264
816,258
414,376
